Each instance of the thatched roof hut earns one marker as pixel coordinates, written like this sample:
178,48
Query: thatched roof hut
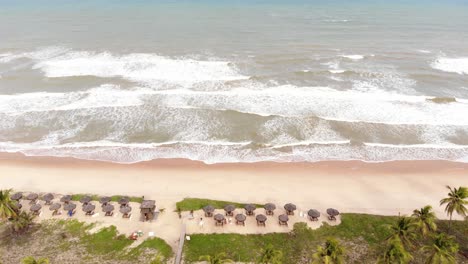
290,207
55,207
261,218
218,217
270,207
124,201
250,207
104,199
85,199
229,208
108,208
332,212
283,218
125,209
88,208
16,196
35,207
240,217
32,196
48,197
69,207
66,199
313,213
208,209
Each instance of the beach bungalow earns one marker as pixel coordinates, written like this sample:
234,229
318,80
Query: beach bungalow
147,209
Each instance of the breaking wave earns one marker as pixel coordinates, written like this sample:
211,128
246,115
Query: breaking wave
455,65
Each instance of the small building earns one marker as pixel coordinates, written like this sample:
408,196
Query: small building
147,209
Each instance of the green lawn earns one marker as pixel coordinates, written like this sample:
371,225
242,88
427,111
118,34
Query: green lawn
188,204
362,235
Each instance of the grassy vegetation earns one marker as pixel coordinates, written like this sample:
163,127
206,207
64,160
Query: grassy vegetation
188,204
163,248
73,240
114,198
361,234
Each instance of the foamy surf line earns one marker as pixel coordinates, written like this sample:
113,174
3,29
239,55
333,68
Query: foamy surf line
452,65
285,101
242,152
143,68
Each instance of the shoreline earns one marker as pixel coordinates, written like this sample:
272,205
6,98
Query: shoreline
387,188
402,166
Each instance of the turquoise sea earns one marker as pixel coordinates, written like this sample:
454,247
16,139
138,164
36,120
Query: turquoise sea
235,81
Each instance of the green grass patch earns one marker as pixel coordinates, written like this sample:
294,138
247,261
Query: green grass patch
363,237
72,240
114,198
162,250
188,204
105,241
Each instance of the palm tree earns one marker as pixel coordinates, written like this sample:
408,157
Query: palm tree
22,222
442,250
332,253
425,219
404,229
32,260
395,253
271,256
216,259
456,202
7,206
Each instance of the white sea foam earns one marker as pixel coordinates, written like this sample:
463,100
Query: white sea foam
336,71
456,65
336,20
102,96
424,51
40,54
144,68
353,57
222,153
369,105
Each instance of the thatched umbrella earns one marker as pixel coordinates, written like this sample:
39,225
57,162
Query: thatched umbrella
87,208
240,217
229,209
69,207
55,207
125,209
269,208
108,208
218,217
283,218
104,200
124,201
289,207
16,196
332,212
48,198
32,197
249,208
261,218
35,207
85,199
66,199
209,209
313,213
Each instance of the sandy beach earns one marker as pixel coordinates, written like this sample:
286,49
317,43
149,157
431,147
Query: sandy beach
376,188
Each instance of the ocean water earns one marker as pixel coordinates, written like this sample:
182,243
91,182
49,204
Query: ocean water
235,81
